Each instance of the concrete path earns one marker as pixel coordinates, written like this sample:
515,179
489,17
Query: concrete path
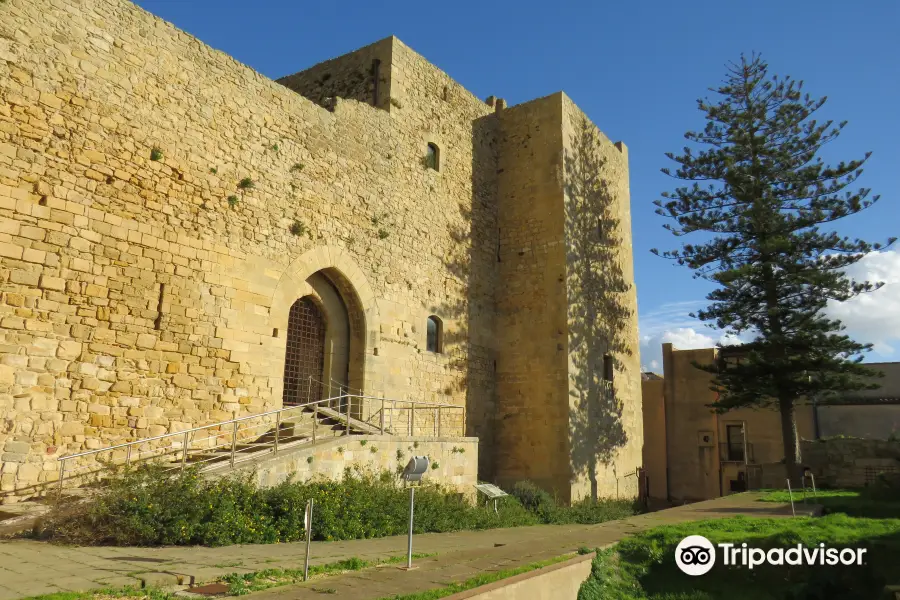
29,568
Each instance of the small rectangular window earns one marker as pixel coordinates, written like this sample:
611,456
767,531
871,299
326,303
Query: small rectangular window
608,368
735,436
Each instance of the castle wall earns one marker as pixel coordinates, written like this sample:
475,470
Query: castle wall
565,300
605,434
137,300
352,76
532,413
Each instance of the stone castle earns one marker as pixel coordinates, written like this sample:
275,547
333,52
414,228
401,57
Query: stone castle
184,241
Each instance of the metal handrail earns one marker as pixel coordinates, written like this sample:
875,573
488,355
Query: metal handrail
234,425
257,416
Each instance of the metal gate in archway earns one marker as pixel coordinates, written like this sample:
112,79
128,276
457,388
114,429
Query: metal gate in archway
304,359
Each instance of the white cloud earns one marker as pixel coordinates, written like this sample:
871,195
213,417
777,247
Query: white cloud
870,318
874,317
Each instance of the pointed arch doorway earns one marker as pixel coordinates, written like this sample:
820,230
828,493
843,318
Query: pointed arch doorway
325,342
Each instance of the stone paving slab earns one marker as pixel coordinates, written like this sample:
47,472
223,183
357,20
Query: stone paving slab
29,568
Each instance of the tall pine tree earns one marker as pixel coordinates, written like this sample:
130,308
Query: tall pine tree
759,198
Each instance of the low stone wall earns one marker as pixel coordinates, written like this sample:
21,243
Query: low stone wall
850,462
561,581
454,461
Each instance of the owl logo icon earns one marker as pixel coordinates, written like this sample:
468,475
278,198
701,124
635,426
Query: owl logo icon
695,555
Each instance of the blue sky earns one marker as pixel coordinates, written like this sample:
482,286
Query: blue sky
637,69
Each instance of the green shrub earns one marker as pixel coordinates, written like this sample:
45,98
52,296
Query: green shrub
534,498
150,505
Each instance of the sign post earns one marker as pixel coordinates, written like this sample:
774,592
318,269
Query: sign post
492,492
412,502
307,523
414,471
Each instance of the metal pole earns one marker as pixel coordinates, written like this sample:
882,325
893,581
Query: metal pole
233,442
412,419
62,471
315,420
128,456
348,412
813,478
309,508
746,458
382,416
309,390
439,422
277,431
435,422
184,450
412,502
791,496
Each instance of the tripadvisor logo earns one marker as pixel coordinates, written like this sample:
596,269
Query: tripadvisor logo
696,555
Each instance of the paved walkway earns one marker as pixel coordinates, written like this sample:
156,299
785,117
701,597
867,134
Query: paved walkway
29,568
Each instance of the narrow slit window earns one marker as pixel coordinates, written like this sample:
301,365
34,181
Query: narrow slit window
433,157
434,333
607,367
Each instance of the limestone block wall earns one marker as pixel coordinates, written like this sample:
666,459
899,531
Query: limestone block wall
851,463
566,300
145,289
454,462
605,419
653,404
532,389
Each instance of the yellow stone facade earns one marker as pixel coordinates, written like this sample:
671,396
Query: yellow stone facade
146,290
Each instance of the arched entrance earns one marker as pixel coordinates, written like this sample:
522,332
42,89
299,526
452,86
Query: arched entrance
324,353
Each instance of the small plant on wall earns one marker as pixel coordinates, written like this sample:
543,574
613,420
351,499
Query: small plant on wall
233,201
435,466
309,459
383,234
156,154
373,449
298,228
246,184
296,167
399,454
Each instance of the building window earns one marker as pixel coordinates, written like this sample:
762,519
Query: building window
435,334
433,157
735,436
607,368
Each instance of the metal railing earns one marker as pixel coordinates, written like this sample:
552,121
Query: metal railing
227,443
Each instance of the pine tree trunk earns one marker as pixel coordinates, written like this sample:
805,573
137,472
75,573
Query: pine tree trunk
790,440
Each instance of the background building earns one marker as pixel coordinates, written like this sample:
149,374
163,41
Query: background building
691,453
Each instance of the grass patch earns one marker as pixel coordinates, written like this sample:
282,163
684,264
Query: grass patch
239,584
145,506
872,503
480,580
245,583
110,594
643,567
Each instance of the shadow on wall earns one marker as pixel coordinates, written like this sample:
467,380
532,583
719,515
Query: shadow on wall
598,307
472,270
